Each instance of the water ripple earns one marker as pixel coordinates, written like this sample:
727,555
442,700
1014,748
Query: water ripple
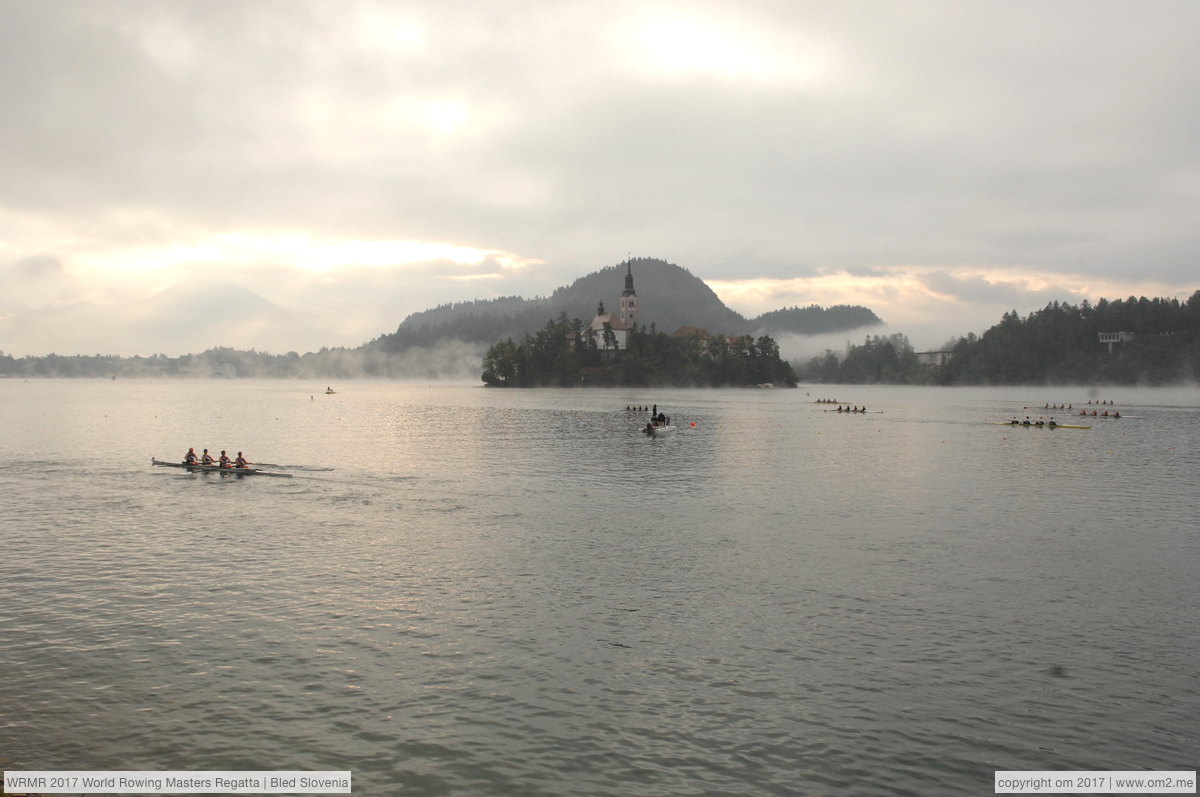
517,593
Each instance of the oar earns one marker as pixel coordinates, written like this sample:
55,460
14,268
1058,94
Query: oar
288,467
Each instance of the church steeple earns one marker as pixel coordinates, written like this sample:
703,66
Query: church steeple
629,297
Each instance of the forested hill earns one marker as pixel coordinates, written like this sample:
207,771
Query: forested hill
669,297
1155,342
1061,344
816,320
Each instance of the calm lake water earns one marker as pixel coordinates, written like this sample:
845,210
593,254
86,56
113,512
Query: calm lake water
469,591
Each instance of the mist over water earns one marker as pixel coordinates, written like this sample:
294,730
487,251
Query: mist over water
516,592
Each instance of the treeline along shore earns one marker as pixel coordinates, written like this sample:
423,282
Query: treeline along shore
218,362
1127,341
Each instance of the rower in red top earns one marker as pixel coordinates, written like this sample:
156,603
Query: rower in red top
190,457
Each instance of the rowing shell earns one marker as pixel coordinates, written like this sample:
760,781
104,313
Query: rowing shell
1039,426
855,412
219,469
655,431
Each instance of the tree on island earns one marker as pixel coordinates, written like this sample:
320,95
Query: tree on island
559,356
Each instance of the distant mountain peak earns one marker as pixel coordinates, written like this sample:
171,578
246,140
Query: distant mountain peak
669,297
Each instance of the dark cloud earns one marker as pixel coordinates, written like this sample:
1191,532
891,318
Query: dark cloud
38,267
977,290
34,281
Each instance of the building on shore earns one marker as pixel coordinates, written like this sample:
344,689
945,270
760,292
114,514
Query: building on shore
1111,338
934,357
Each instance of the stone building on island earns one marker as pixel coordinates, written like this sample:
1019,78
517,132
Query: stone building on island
610,331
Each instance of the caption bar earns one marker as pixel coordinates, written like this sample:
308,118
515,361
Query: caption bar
1081,782
176,782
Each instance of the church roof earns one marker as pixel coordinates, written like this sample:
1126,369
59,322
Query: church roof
612,319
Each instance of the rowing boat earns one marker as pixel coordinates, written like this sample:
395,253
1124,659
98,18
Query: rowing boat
1039,426
219,469
655,431
855,412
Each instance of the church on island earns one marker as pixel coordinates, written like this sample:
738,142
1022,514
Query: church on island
610,331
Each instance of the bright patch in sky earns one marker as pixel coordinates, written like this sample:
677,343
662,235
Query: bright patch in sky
444,116
681,43
142,271
304,252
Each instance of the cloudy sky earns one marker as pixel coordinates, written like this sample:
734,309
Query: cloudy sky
353,162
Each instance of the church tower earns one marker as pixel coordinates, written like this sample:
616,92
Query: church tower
629,298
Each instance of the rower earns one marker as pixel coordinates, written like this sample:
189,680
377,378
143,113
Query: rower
1027,422
224,460
190,457
240,462
1052,423
206,458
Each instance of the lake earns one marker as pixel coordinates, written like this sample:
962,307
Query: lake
470,591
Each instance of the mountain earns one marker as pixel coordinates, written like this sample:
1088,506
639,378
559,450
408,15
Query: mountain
220,314
669,297
187,317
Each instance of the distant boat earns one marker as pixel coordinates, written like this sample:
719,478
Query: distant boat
655,430
329,391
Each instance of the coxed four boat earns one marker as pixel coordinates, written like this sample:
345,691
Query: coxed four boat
1039,425
219,469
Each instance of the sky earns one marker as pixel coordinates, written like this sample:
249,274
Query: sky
354,162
